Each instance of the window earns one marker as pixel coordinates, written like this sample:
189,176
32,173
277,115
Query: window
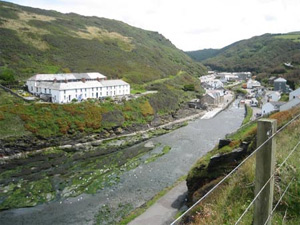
81,90
97,89
31,88
85,89
92,89
64,91
76,90
45,90
37,89
49,91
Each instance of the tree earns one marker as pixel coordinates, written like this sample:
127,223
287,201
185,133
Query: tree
7,76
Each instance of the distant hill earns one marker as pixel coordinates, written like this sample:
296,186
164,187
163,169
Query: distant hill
201,55
264,55
42,41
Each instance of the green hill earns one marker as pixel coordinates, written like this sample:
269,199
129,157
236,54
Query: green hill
42,41
201,55
264,55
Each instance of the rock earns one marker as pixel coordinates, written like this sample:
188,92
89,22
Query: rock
156,121
149,144
224,142
65,147
118,130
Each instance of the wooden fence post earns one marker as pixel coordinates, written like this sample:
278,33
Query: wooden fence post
265,165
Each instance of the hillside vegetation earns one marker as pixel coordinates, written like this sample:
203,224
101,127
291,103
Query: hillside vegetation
40,41
263,55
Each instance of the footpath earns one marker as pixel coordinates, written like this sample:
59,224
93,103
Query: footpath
164,210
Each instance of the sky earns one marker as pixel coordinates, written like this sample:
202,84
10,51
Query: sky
190,24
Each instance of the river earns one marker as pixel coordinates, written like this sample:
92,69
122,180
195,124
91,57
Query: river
138,185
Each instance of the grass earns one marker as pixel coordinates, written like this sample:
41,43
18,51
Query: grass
249,113
155,156
11,125
284,98
293,37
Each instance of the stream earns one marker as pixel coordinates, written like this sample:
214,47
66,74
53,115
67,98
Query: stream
138,185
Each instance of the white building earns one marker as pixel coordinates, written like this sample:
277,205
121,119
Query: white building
291,104
211,81
269,107
252,84
227,77
274,96
294,94
63,88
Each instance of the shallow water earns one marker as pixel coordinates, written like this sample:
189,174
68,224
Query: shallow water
139,185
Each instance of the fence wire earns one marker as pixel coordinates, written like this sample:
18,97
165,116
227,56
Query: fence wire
267,182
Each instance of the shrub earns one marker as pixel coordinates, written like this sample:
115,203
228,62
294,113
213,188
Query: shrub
189,87
146,109
1,116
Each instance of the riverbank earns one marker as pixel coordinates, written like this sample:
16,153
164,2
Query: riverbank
140,183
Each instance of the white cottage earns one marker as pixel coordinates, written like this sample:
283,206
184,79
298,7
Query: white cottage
294,94
63,88
269,107
253,84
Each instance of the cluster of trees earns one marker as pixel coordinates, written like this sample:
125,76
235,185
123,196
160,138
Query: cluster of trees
7,76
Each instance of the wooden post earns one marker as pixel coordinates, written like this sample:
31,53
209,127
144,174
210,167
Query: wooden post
265,165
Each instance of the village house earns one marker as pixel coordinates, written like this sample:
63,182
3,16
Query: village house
280,85
269,107
253,84
294,94
63,88
292,103
227,77
212,98
271,80
274,96
210,82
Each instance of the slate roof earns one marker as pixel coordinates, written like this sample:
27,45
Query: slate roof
67,76
296,92
280,79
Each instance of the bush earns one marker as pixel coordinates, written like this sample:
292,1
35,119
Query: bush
189,87
7,76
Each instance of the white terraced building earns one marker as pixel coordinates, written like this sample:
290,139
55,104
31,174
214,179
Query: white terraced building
63,88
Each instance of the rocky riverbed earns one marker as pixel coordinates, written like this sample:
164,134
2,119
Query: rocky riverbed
115,190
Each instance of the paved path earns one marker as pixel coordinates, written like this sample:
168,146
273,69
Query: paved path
211,113
164,209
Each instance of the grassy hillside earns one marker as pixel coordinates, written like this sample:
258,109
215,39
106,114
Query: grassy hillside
201,55
264,55
40,41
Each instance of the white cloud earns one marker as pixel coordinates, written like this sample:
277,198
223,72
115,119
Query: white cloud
190,24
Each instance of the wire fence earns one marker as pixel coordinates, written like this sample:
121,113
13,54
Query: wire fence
262,188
